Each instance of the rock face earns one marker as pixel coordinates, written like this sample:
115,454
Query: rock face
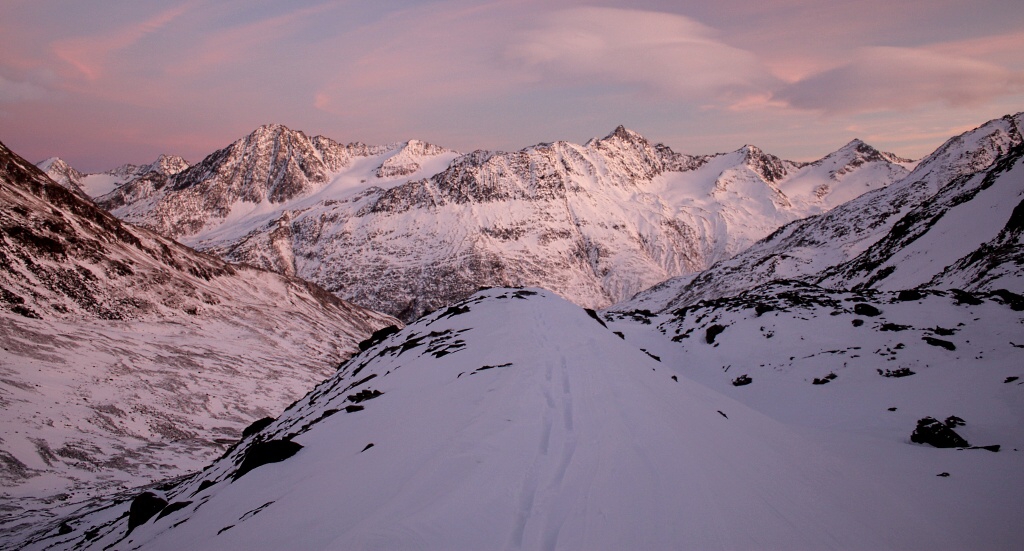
129,357
408,228
953,223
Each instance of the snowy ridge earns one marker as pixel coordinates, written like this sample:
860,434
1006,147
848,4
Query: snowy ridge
97,184
971,178
409,228
128,357
513,419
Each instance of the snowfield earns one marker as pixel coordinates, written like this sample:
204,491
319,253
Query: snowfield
516,420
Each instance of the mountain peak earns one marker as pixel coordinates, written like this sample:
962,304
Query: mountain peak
861,151
625,134
271,128
46,164
769,167
168,165
64,174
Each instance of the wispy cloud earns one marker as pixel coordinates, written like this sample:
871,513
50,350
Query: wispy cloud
420,57
230,45
884,78
90,55
14,91
665,53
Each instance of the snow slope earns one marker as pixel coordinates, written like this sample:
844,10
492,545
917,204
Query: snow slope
127,357
408,228
854,371
515,420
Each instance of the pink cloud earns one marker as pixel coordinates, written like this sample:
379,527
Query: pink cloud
89,55
413,60
1002,48
237,43
880,79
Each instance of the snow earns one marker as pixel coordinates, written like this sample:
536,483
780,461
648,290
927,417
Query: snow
784,349
958,230
96,185
574,438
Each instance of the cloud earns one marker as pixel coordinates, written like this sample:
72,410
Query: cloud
18,91
421,59
231,45
669,54
89,55
883,79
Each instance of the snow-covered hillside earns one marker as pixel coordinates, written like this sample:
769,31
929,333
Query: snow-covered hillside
411,227
516,420
954,222
128,357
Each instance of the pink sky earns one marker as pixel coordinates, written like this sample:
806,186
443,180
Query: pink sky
106,83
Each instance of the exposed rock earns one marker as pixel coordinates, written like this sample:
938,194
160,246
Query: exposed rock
262,453
256,426
742,380
144,506
712,332
936,433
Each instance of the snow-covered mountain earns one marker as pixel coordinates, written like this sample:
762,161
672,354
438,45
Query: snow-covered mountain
516,420
408,228
101,183
954,222
128,357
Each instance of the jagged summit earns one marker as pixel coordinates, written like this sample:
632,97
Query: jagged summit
866,153
405,161
769,167
96,185
623,133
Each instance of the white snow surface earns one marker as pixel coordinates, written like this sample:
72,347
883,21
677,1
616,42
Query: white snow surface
514,420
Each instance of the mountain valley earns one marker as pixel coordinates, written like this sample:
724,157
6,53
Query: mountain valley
609,345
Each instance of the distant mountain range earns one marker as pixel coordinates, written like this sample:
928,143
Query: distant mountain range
410,227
